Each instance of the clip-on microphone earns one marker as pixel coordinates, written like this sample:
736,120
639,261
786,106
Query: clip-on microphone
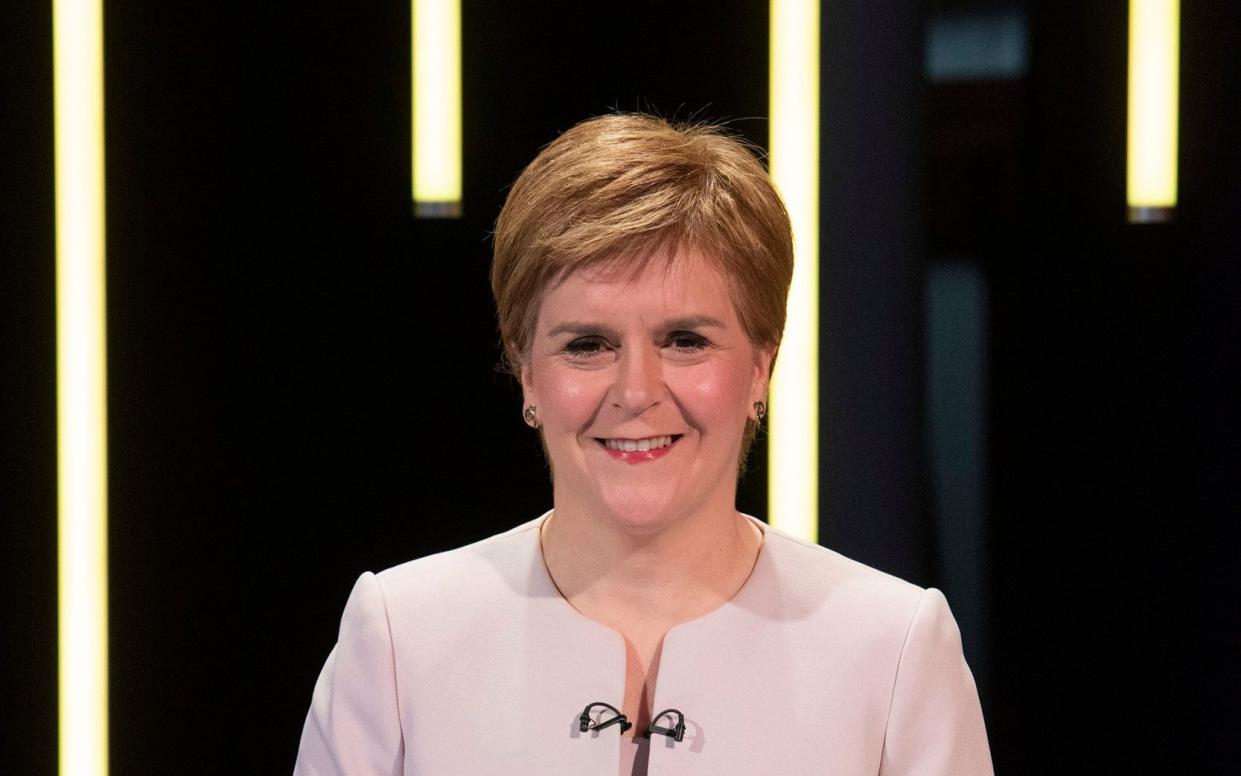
676,732
585,723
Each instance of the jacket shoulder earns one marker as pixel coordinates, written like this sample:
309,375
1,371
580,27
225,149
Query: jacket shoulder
465,571
826,584
475,577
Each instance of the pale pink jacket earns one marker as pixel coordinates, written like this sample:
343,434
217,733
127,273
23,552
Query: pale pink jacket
471,662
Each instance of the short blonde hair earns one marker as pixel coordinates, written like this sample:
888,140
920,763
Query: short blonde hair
621,188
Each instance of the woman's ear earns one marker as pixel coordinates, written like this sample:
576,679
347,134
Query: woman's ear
763,359
527,383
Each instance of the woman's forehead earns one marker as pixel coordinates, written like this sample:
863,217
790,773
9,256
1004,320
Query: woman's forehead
674,284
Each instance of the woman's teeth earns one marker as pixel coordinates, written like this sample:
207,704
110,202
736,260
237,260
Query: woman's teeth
630,445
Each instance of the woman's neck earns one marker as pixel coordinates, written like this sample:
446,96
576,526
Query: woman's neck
659,578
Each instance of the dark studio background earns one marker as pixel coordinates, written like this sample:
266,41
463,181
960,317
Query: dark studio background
302,378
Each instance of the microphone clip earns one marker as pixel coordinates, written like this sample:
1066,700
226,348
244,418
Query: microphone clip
586,724
676,732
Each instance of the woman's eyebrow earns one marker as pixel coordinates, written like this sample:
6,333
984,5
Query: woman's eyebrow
588,328
693,322
583,328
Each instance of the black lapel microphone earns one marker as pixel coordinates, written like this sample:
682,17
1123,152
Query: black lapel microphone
676,732
585,723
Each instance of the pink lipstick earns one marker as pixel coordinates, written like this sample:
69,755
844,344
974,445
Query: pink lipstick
638,456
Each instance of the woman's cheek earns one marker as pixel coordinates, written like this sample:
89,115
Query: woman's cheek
719,391
575,394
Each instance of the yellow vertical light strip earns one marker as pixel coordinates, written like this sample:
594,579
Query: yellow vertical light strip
436,105
793,433
80,385
1154,85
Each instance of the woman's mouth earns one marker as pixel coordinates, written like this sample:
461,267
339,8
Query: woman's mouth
639,450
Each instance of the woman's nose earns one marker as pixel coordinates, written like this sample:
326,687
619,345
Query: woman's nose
639,380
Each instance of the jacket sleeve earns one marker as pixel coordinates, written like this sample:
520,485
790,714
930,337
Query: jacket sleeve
354,727
935,725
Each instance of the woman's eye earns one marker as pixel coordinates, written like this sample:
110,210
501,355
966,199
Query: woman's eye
687,341
585,346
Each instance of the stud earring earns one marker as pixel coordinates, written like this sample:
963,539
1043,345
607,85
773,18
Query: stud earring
760,409
531,416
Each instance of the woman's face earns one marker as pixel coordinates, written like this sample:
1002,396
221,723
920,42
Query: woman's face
643,384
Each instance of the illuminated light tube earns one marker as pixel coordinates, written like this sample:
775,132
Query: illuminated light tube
1154,85
80,386
436,102
793,433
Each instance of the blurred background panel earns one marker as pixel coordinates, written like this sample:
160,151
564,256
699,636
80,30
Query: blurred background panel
1026,401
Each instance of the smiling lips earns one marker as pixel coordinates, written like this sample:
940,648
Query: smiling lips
639,450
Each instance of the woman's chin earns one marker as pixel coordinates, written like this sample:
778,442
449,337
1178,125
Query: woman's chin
641,513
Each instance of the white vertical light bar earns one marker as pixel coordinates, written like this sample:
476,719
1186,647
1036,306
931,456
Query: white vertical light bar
436,104
793,433
1154,85
80,385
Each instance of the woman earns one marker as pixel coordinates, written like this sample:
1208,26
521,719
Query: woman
640,272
